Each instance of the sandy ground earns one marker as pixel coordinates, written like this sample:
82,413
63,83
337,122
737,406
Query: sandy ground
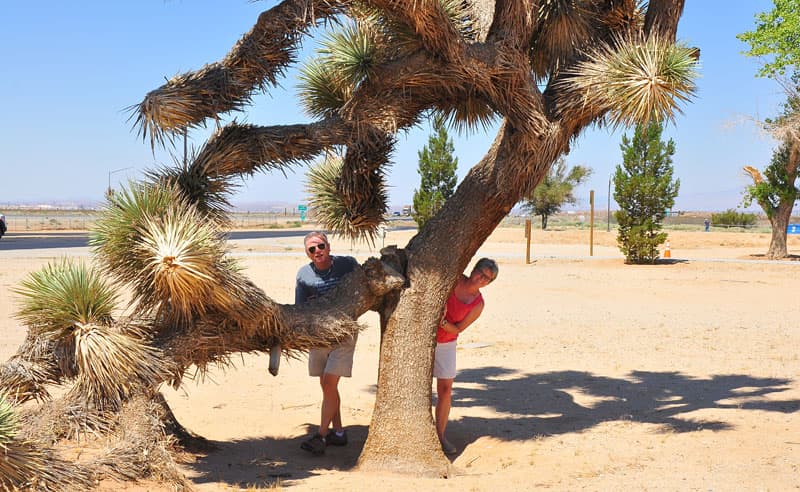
582,374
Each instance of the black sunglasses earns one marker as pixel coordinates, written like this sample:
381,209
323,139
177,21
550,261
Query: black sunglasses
321,247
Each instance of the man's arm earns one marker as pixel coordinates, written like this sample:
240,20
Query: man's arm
300,291
300,296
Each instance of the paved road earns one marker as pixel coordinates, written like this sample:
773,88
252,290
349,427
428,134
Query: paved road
46,240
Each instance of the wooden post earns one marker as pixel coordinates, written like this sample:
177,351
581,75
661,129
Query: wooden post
527,241
591,223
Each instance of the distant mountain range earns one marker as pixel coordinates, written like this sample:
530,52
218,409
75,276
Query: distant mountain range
706,202
273,206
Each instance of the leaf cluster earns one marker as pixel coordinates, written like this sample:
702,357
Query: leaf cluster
349,55
776,37
779,183
637,80
63,296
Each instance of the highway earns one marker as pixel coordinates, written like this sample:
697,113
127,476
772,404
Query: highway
59,240
15,241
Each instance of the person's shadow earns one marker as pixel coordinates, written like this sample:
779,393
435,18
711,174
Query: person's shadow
528,406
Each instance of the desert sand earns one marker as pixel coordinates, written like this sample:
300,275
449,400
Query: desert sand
582,374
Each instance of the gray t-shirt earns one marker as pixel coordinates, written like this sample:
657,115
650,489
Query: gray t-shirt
312,283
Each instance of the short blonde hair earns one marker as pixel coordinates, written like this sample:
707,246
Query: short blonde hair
318,234
489,264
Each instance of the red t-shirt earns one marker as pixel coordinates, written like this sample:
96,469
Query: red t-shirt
455,312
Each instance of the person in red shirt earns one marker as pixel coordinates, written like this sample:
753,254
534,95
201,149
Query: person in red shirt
463,307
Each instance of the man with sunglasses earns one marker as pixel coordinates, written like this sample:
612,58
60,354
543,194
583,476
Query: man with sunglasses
329,364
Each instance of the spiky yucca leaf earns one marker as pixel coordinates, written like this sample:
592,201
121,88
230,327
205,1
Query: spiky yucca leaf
206,189
461,16
564,26
467,114
350,52
180,253
357,217
112,366
119,227
8,421
153,239
322,91
321,185
636,81
63,295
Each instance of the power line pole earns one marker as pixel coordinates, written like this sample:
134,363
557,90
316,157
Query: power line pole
608,207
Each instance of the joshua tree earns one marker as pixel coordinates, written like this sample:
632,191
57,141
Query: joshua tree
548,68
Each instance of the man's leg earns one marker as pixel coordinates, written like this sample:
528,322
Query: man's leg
330,403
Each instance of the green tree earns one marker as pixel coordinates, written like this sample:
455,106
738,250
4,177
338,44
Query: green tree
644,190
555,190
437,171
777,34
776,193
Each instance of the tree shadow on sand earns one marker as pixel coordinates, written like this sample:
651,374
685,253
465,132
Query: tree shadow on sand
528,406
266,462
571,401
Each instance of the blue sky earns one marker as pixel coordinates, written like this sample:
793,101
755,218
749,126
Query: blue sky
69,70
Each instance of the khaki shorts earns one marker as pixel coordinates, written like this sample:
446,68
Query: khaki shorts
444,360
334,360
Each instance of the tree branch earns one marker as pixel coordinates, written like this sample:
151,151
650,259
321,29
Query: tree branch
255,61
245,149
430,22
662,18
513,23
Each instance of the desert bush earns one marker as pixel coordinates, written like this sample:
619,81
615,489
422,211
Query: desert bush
732,218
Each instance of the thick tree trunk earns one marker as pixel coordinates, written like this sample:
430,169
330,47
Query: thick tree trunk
779,221
662,18
436,256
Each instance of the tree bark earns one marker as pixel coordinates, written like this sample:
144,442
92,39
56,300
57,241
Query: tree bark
662,18
436,257
779,221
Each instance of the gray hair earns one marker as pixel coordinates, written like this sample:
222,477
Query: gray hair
318,234
489,264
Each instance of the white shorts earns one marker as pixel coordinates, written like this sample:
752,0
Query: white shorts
444,360
336,360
